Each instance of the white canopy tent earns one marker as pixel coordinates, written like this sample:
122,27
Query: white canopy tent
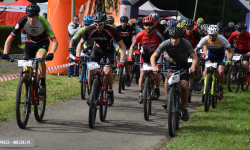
43,7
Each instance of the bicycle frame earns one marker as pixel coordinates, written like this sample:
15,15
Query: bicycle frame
213,73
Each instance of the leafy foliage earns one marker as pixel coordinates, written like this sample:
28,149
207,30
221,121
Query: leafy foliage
209,10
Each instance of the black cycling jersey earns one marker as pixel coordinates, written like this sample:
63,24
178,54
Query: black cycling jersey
104,39
126,35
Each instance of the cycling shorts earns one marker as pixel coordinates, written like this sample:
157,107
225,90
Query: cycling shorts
220,58
178,67
245,58
31,49
96,55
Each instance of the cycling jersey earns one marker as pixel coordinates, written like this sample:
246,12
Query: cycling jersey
104,39
40,31
217,47
231,41
89,42
194,38
176,54
161,29
126,35
148,43
242,41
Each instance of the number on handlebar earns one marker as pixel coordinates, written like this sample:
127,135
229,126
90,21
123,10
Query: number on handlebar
213,65
92,65
28,63
174,78
147,67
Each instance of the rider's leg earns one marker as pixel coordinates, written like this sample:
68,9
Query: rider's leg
90,72
42,66
246,66
109,77
196,73
221,75
184,93
141,80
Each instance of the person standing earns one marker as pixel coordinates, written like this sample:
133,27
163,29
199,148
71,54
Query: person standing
73,27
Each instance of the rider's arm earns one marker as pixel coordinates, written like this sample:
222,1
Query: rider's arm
152,59
205,50
227,45
231,37
195,60
201,43
123,49
79,47
137,39
7,44
131,51
163,46
76,36
54,45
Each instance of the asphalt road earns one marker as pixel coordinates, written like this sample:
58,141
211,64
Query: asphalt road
65,125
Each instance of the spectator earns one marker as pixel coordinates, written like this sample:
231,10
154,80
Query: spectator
73,27
45,15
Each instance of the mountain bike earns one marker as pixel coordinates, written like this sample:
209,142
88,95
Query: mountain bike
236,76
28,92
84,75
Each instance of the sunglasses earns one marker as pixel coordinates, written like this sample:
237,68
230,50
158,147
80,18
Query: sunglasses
98,24
188,28
148,25
31,16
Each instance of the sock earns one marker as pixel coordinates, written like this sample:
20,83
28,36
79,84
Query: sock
221,86
42,81
110,89
156,86
140,92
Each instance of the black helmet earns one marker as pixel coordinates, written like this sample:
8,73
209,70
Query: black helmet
99,16
240,26
176,31
200,25
124,18
32,9
220,29
227,29
139,21
189,23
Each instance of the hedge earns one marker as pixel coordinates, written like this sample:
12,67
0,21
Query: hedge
5,32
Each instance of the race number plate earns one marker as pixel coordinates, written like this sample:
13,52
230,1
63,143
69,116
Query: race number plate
147,67
190,60
173,79
92,65
213,65
25,63
236,58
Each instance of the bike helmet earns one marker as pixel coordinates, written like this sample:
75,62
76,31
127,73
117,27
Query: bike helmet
110,18
163,22
123,19
154,15
87,20
220,29
213,30
132,20
189,23
240,26
219,24
176,31
231,24
227,29
32,9
200,20
99,16
171,24
245,26
139,21
148,20
181,25
133,23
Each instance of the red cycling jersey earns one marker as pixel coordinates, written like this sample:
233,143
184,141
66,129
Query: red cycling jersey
242,41
194,38
149,43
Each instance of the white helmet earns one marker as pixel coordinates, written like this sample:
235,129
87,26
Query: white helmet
231,24
213,30
163,22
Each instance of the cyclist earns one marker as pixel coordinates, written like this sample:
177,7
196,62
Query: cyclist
205,28
158,26
164,23
150,39
220,30
193,37
126,32
37,43
170,25
216,45
177,49
103,36
111,21
242,39
201,29
199,21
227,33
181,25
139,23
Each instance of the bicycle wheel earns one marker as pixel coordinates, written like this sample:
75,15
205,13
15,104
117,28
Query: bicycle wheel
233,83
137,76
146,99
243,76
22,102
104,107
120,79
172,111
163,78
124,80
83,82
207,93
178,113
92,107
39,108
216,90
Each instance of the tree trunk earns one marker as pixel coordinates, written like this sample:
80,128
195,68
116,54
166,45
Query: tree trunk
98,6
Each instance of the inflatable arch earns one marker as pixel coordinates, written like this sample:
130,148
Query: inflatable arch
245,5
59,16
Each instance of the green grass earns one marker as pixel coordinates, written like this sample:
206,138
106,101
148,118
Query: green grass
58,88
225,127
14,50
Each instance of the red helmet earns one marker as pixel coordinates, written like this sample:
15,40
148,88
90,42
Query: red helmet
148,20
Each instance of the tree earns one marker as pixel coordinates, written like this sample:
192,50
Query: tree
102,5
